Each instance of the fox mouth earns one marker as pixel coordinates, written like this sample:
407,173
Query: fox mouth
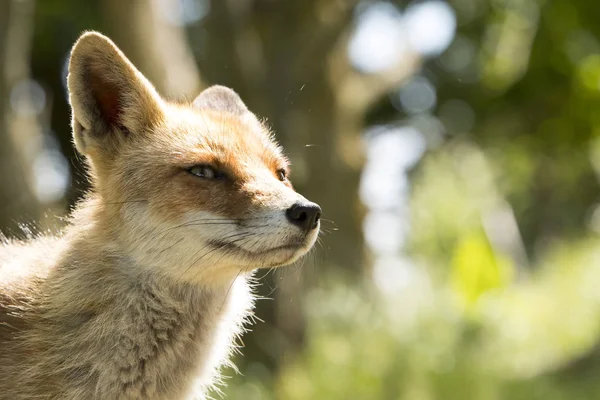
222,245
271,257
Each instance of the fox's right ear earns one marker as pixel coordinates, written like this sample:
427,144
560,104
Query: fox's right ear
110,98
220,98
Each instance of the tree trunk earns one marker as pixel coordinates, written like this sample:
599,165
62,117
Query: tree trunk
156,46
20,135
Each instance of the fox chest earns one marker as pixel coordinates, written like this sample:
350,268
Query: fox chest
163,354
161,362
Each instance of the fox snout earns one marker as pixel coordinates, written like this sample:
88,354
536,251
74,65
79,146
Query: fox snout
306,215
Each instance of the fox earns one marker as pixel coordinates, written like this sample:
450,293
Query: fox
144,291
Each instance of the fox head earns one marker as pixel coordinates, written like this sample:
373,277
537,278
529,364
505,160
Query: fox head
197,191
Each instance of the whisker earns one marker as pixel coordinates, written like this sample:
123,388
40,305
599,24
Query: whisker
300,264
225,244
229,290
214,222
185,270
272,288
265,274
126,202
320,243
196,260
170,247
200,223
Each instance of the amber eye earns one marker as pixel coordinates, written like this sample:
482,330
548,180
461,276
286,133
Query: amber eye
281,174
205,171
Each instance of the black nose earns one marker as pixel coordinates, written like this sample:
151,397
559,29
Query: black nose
305,215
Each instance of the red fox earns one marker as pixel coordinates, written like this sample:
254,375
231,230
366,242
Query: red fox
143,293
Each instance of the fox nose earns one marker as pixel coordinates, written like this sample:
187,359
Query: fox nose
304,215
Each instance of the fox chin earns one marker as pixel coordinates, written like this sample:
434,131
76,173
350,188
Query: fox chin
142,295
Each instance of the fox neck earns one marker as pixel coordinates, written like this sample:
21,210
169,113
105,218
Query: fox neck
157,333
157,338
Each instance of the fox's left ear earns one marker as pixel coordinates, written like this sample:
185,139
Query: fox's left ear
110,98
220,98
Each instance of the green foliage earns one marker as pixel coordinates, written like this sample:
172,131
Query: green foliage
423,344
476,269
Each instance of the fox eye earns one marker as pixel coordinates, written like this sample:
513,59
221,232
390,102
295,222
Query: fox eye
205,171
281,174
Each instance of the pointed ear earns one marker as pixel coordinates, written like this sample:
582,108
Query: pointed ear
109,97
220,98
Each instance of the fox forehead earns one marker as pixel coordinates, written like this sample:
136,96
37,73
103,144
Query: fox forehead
193,137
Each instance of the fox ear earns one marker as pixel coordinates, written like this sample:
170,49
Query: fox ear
109,97
220,98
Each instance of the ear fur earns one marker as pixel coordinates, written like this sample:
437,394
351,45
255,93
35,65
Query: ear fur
109,97
220,98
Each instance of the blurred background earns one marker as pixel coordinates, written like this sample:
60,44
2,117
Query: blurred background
455,150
